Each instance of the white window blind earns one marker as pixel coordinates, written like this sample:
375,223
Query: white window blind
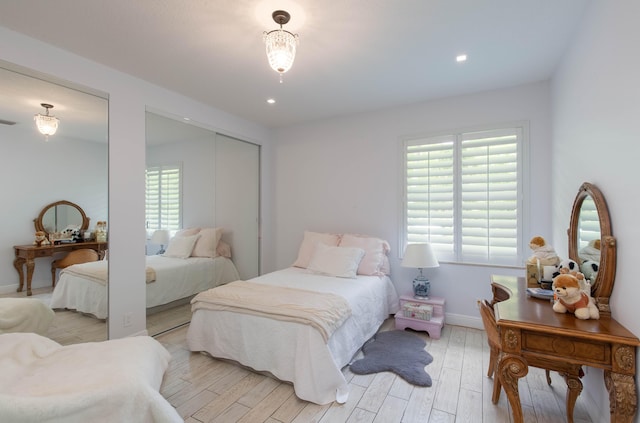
163,197
463,195
588,224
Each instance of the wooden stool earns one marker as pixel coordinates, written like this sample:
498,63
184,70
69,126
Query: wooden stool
74,257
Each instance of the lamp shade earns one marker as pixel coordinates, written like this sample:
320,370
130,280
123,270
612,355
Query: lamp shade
419,256
160,237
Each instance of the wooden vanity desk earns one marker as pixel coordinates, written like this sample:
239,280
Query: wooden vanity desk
533,334
26,255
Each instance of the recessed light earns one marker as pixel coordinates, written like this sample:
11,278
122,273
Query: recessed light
461,58
187,119
271,101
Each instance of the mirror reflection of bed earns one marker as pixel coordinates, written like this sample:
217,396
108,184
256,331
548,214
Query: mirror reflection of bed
213,169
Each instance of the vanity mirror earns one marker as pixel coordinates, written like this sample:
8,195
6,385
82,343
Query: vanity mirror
589,226
56,217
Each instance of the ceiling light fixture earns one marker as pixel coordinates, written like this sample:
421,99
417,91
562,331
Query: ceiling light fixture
47,124
281,44
461,58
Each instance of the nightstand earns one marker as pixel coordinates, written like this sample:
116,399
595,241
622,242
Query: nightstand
432,326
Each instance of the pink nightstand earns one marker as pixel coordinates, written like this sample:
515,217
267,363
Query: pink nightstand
432,326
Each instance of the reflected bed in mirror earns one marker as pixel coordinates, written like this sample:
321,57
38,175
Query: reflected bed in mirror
591,242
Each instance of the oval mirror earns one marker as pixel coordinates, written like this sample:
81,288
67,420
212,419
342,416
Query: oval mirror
56,217
591,242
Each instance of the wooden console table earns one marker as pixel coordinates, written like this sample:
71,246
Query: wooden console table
533,334
26,255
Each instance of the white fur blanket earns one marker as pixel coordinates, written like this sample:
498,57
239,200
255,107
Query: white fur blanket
111,381
24,315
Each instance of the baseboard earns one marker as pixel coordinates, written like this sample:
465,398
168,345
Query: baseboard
463,320
8,289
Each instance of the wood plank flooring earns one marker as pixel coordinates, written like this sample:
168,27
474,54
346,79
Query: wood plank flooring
204,389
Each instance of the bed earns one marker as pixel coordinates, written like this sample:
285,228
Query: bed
83,287
289,349
111,381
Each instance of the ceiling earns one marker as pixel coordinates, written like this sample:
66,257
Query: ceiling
354,56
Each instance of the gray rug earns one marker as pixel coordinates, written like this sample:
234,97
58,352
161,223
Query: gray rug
395,351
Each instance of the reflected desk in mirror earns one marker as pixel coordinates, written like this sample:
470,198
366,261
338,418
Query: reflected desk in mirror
532,334
25,255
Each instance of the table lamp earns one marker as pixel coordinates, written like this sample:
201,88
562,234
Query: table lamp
420,256
160,237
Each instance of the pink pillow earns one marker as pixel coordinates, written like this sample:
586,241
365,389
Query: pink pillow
223,249
376,249
309,243
187,232
207,243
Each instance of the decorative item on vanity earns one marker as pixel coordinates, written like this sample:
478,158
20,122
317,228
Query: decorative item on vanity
40,239
420,256
281,44
160,237
574,296
541,264
47,124
101,231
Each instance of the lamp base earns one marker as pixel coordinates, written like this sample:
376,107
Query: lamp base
160,251
421,287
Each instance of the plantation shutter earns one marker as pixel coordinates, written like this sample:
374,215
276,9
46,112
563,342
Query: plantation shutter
463,195
489,197
430,194
588,224
163,197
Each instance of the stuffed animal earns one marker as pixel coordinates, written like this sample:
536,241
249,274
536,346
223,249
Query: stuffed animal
40,239
590,269
591,251
566,266
543,253
569,297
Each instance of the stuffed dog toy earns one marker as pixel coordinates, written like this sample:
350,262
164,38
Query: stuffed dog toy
570,298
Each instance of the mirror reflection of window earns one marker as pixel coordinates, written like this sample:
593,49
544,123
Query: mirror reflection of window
163,208
588,225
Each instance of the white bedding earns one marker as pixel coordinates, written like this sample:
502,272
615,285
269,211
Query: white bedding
175,279
296,352
111,381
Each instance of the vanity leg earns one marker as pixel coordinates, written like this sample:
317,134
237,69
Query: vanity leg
18,263
574,387
510,369
623,400
30,266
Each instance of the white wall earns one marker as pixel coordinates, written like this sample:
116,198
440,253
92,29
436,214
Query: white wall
596,115
128,99
344,175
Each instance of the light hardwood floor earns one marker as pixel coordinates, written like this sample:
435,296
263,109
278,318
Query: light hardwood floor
204,389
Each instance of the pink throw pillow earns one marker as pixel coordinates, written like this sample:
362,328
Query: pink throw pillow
376,250
309,243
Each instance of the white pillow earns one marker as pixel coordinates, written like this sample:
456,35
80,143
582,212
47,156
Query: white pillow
309,243
207,243
335,261
181,246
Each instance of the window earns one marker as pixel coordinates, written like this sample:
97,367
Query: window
463,194
163,197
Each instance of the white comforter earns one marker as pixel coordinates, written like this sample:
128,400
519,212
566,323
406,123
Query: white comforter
296,352
111,381
175,279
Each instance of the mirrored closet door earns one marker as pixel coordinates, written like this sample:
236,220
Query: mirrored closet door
57,185
202,208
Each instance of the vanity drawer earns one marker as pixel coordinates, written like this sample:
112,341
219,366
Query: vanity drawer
580,349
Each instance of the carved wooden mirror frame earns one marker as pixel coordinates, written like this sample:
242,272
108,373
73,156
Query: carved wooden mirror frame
38,221
603,286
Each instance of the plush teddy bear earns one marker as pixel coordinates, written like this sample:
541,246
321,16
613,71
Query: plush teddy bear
543,253
591,251
569,297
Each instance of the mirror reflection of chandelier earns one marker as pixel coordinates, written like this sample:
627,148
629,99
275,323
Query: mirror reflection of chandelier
281,44
47,124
